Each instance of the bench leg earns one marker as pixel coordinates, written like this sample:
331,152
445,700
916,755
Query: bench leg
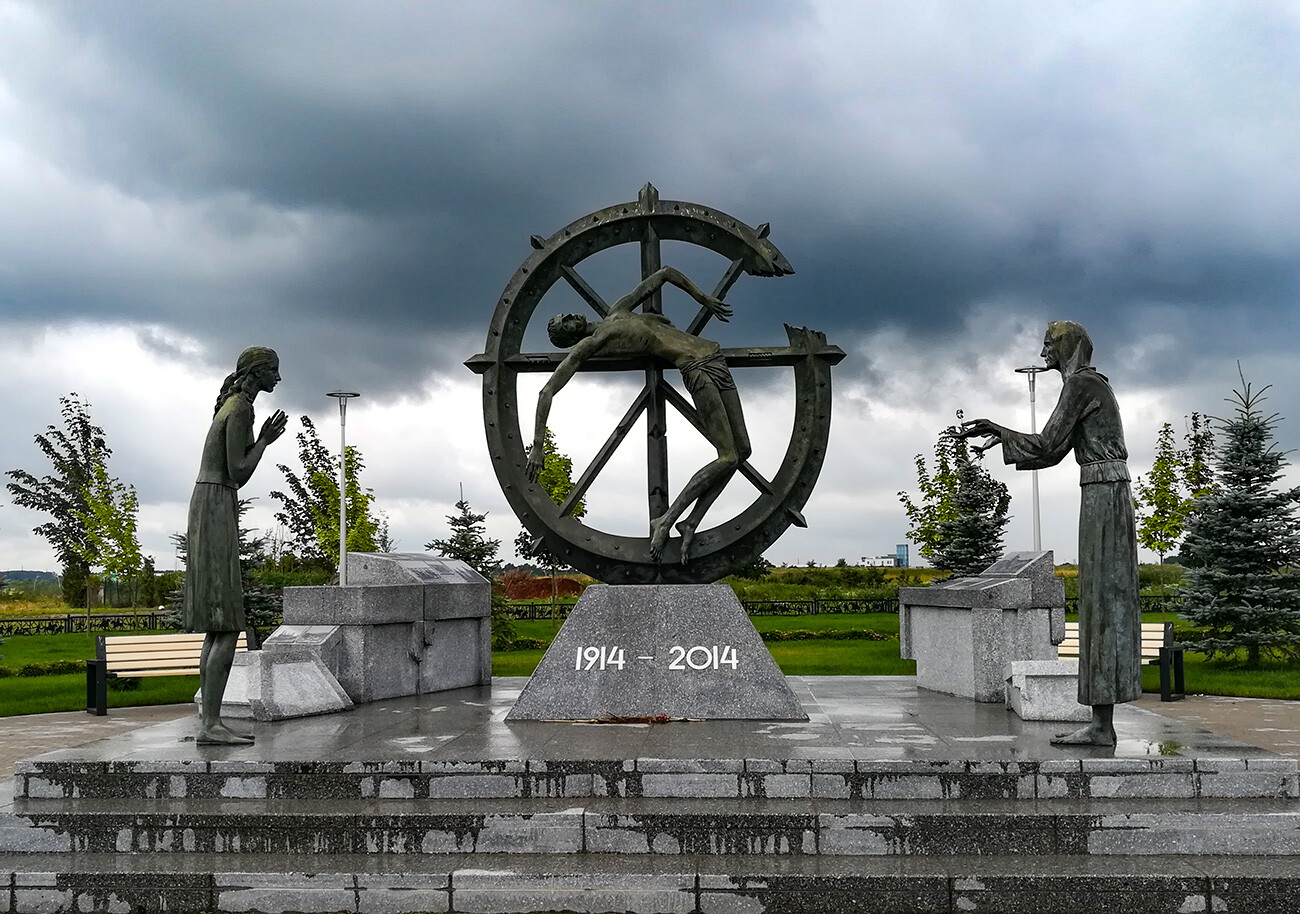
1171,668
96,688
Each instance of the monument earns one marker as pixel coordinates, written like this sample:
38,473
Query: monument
214,595
632,334
1086,420
404,624
991,637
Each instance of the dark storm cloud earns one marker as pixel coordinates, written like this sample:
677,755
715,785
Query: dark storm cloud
369,175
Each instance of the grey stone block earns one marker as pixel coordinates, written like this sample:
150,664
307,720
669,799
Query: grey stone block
505,889
275,893
644,650
452,656
1045,690
288,680
963,632
353,605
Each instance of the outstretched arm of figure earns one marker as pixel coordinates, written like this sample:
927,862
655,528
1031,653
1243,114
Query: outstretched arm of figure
581,351
241,457
656,280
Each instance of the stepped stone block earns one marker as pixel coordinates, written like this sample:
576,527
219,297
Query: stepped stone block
963,632
406,624
1045,690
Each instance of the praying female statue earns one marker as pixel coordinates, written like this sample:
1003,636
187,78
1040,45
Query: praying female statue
1086,420
214,596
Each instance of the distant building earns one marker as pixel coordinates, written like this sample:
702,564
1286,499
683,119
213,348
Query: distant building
900,552
880,561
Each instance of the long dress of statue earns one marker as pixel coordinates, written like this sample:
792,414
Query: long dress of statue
1086,420
214,596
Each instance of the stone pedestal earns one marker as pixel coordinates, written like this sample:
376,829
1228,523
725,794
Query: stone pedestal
963,632
406,624
640,651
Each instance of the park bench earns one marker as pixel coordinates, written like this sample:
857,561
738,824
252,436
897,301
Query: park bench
133,656
1158,649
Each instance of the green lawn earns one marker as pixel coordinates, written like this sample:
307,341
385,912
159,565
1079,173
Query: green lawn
38,694
815,657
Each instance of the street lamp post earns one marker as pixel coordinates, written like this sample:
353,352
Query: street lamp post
1032,371
343,396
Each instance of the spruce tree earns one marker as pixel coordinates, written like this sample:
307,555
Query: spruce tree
959,518
468,541
971,540
1242,540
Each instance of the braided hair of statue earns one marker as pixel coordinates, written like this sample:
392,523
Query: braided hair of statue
250,360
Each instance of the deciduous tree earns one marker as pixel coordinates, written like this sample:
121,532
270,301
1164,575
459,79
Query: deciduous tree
310,509
1161,506
75,451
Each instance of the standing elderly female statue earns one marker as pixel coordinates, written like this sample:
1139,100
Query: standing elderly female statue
214,596
1086,420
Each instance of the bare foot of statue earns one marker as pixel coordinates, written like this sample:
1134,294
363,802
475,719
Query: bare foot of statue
1091,735
687,530
659,529
221,735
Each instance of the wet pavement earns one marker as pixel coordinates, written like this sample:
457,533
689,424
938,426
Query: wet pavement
876,717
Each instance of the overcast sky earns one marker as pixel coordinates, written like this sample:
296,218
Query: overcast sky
354,184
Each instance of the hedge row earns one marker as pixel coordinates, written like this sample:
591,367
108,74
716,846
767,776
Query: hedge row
52,668
853,634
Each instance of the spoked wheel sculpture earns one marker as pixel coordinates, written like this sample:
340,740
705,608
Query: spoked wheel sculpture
616,559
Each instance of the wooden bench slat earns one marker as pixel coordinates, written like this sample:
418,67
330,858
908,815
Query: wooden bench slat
1153,639
118,659
161,642
135,674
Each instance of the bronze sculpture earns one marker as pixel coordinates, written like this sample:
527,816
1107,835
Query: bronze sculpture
1086,420
696,556
214,598
704,370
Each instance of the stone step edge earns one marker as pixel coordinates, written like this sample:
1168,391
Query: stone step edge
693,884
1262,777
577,831
332,808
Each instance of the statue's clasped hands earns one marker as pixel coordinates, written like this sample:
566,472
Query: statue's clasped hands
274,426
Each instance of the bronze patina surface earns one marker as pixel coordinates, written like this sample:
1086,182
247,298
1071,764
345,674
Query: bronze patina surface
711,553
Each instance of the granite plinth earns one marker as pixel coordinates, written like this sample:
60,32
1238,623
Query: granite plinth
963,632
405,624
630,651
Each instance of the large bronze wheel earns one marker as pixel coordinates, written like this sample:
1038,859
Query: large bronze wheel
617,559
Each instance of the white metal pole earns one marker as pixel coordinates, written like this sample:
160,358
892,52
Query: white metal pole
343,397
1032,371
1033,429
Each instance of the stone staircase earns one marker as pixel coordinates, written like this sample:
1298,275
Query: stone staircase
1161,833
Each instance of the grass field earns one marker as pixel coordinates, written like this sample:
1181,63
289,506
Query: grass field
815,657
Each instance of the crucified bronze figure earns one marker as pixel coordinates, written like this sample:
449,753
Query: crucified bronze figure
627,332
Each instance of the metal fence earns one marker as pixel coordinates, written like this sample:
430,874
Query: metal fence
829,607
69,623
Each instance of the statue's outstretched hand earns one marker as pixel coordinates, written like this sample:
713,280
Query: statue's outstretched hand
274,426
536,461
978,428
719,309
